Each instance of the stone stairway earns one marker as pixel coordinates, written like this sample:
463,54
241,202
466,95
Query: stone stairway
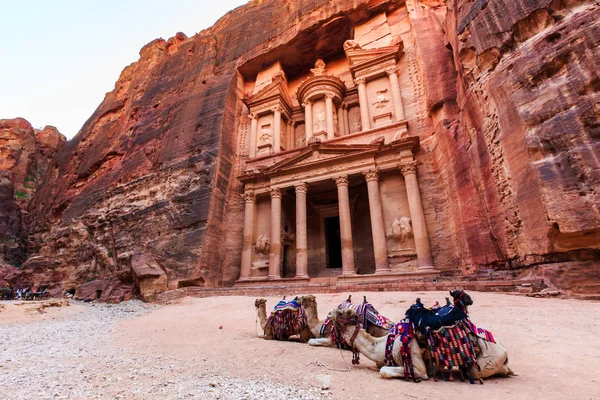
523,286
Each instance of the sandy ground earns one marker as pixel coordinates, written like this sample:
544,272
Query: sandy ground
178,351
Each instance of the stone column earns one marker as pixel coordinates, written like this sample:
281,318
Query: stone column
418,217
340,121
379,243
301,233
308,122
396,97
275,250
329,116
250,201
345,226
290,136
253,133
346,120
277,129
364,103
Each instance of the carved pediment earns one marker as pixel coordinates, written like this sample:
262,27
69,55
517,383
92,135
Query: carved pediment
361,59
275,92
318,154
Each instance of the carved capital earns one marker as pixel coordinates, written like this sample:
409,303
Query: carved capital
329,95
392,70
360,81
301,188
249,197
341,180
275,193
307,103
277,109
372,175
410,168
253,116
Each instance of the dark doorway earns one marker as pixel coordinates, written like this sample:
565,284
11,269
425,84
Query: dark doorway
334,242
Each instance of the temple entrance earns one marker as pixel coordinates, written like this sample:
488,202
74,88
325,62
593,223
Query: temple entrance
333,242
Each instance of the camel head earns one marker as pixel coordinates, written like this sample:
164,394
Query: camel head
307,301
346,317
461,298
259,302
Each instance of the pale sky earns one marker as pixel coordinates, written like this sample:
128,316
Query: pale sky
58,58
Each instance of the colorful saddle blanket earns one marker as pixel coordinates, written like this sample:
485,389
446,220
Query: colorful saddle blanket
405,330
452,347
287,319
368,316
481,333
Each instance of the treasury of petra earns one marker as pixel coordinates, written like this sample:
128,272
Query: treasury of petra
327,146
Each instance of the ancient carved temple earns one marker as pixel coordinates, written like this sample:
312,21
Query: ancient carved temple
330,182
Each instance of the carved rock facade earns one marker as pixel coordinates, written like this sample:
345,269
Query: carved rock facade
498,106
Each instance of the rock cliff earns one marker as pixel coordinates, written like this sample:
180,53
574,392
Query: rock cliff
505,101
25,156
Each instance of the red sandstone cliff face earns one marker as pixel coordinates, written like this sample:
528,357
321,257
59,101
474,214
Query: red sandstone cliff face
505,101
25,156
153,171
526,139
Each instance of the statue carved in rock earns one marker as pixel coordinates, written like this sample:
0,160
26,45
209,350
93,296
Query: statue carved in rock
319,122
319,68
381,99
352,45
355,125
263,244
402,229
265,134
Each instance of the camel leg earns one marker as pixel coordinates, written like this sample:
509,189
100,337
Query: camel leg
320,342
391,372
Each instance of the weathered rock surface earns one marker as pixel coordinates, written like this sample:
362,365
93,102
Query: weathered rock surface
505,101
25,155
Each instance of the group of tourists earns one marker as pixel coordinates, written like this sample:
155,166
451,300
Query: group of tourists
8,292
429,342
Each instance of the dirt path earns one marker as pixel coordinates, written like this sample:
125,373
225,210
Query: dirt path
178,351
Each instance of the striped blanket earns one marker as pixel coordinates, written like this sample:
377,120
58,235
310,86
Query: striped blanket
287,319
369,316
404,329
480,332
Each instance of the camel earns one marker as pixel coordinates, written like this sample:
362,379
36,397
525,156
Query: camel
374,347
267,334
492,358
309,302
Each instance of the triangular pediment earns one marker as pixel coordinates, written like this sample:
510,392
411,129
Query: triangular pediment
321,154
358,57
275,89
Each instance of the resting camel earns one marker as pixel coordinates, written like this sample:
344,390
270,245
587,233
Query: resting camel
322,336
373,348
492,358
267,334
